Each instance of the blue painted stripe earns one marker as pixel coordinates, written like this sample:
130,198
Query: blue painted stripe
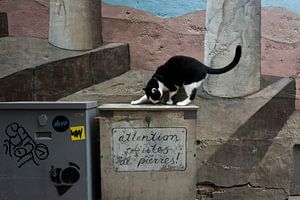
175,8
162,8
291,5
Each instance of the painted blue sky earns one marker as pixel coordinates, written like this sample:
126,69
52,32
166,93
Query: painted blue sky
174,8
292,5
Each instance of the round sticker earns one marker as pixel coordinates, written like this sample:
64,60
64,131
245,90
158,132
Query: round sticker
60,123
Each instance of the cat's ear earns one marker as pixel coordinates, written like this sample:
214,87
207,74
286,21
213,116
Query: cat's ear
144,89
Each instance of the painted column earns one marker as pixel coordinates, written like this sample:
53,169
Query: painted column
75,24
230,23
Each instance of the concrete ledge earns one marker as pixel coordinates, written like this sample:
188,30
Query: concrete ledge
32,69
145,107
107,110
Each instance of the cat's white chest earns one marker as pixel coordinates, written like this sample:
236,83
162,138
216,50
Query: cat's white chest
162,87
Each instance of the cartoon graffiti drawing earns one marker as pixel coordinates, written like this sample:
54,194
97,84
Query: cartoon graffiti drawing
64,179
21,146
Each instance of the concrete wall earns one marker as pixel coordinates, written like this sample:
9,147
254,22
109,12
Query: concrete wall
160,30
133,160
242,150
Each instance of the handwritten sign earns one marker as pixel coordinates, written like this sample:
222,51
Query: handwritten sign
149,149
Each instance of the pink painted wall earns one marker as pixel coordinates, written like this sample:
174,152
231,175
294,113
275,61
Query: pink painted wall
153,40
27,17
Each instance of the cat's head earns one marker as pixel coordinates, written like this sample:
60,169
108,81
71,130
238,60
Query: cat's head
152,91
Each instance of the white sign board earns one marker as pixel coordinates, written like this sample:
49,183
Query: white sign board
149,149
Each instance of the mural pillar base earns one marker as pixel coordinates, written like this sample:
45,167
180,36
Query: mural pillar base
230,23
75,24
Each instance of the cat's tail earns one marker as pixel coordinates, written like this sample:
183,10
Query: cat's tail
235,61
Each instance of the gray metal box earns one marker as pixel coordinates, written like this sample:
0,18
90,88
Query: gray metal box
47,150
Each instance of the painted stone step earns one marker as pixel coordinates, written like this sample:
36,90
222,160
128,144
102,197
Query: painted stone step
32,69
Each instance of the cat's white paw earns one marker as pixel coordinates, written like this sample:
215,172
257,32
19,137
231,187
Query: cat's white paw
183,103
170,102
135,102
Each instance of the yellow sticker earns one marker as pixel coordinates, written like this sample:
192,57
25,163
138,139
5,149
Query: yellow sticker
77,133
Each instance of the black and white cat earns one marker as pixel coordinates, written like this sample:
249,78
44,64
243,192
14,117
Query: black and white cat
181,71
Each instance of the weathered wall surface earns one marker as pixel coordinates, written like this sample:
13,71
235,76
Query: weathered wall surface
154,39
246,154
281,45
27,17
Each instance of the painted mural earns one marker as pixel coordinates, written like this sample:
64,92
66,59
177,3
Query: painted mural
157,30
162,8
175,8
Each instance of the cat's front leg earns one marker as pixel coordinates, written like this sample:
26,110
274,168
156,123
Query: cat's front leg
171,95
143,99
190,91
